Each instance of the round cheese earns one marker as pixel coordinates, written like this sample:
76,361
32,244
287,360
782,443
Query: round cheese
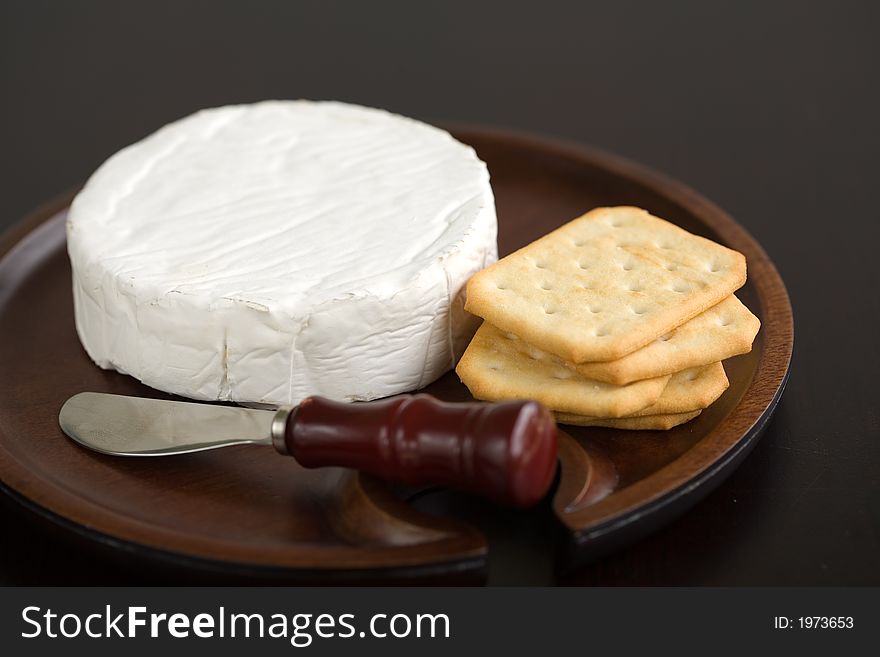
263,253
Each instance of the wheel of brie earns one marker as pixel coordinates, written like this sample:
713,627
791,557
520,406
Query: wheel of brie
263,253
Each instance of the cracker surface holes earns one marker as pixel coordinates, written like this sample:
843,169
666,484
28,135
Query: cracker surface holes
697,343
643,267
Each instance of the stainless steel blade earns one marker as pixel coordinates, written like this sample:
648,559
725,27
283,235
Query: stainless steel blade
136,426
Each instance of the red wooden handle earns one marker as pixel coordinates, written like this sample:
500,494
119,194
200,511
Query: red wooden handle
505,451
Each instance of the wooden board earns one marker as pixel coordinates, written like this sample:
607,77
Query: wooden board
248,510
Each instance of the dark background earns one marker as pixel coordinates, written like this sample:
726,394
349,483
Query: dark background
768,108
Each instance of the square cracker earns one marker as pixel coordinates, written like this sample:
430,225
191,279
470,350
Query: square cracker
689,390
727,329
683,399
605,284
493,368
643,422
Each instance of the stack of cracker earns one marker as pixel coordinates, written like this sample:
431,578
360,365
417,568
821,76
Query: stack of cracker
616,319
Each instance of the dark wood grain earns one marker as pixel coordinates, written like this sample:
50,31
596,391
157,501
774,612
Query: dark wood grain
246,507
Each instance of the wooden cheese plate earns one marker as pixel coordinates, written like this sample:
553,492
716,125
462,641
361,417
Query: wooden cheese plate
247,511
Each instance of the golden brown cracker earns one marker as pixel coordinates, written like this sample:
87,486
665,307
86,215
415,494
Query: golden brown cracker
494,369
605,284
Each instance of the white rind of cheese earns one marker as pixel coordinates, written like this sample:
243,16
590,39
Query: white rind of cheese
263,253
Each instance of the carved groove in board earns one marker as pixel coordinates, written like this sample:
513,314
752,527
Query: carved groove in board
588,475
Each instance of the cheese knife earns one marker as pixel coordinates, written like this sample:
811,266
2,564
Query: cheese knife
505,451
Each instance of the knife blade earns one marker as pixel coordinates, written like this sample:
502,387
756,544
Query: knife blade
136,426
505,451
